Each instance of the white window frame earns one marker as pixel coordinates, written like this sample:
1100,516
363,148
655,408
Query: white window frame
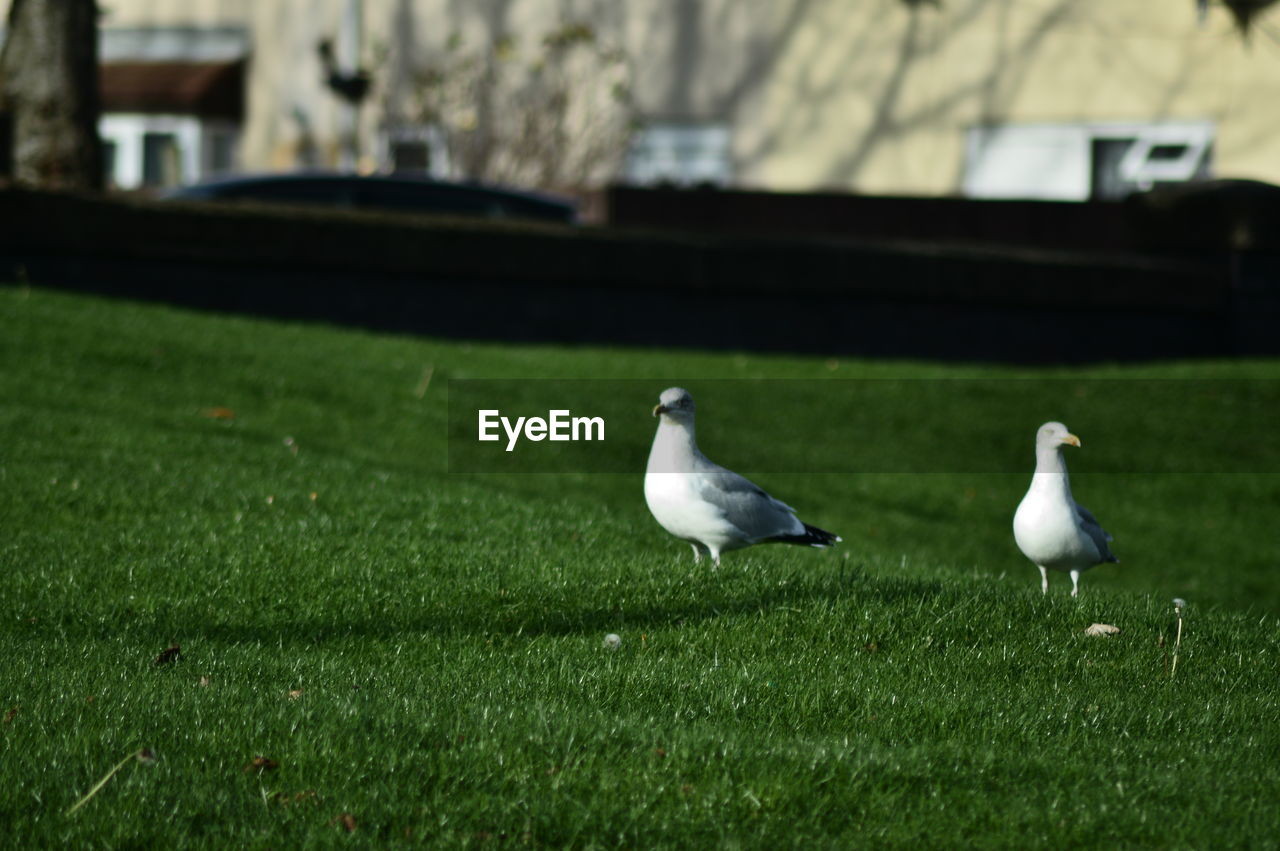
1138,167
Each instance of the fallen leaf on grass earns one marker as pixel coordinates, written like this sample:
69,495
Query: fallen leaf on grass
204,682
1101,629
295,694
261,764
218,413
170,654
8,716
347,820
310,796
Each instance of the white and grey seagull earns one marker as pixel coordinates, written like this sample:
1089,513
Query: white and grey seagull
1051,528
714,509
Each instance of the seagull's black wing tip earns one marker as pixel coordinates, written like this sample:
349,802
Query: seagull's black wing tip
812,537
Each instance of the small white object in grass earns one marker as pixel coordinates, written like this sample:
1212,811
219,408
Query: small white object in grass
612,641
1102,629
1179,603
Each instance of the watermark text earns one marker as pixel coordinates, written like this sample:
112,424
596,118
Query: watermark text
559,425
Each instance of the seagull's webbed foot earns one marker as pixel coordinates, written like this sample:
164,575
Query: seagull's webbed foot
1044,580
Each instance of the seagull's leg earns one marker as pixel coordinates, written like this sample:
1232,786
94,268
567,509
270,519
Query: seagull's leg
1075,583
1044,580
697,553
715,555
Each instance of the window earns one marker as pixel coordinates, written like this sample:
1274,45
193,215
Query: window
154,151
109,163
683,154
221,148
416,149
408,155
1084,161
161,165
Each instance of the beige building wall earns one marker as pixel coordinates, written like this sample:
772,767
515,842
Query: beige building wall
881,102
875,96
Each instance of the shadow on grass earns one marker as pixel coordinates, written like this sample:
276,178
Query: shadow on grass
531,611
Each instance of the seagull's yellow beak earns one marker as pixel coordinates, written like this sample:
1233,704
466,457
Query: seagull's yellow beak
1072,439
659,409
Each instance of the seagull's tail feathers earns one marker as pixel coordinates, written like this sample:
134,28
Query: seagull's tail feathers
812,537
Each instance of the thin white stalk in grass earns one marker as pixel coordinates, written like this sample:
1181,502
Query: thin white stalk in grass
1178,605
141,755
424,382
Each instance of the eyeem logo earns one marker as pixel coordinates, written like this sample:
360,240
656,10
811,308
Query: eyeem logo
559,425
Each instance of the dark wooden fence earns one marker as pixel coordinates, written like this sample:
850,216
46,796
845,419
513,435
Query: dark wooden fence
964,296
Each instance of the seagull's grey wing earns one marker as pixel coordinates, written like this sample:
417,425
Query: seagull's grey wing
1087,519
728,481
745,504
1096,533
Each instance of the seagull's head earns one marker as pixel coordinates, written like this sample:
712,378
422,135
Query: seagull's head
1053,435
676,403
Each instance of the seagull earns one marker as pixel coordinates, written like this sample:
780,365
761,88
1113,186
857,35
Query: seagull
1051,528
712,508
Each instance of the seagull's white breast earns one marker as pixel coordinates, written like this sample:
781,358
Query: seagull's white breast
674,500
1048,532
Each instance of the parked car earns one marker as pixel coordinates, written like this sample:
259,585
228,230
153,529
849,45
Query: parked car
382,192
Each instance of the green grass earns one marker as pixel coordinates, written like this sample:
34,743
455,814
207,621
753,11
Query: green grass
421,653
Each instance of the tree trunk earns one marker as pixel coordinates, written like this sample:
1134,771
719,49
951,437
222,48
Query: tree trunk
49,95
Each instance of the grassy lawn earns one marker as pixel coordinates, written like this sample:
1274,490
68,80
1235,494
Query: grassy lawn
376,650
